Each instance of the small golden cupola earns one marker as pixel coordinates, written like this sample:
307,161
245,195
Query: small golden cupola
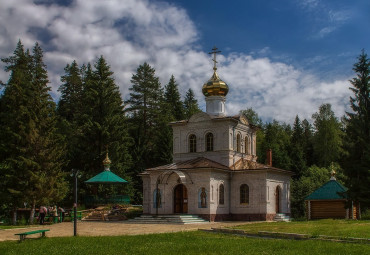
215,90
107,163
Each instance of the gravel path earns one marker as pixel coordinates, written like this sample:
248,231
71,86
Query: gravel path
111,229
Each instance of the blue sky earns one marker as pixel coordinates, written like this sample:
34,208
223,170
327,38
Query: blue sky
282,58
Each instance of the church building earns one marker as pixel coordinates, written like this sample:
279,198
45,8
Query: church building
215,173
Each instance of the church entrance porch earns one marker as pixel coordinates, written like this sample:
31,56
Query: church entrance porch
180,199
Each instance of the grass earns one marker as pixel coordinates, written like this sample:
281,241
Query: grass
340,228
177,243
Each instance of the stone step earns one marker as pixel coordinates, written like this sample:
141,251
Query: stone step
281,217
168,219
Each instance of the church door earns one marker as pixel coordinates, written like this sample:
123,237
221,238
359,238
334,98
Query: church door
277,199
180,199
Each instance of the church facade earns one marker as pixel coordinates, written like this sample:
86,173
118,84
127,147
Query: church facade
215,173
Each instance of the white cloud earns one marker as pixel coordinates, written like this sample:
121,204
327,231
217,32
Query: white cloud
130,32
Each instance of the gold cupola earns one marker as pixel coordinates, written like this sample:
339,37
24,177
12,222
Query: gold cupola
107,162
215,86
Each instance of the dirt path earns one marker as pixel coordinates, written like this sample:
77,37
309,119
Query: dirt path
111,229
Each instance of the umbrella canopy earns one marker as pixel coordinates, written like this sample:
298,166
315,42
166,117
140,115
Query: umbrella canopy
106,176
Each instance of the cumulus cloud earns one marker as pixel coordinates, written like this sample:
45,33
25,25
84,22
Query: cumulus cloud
130,32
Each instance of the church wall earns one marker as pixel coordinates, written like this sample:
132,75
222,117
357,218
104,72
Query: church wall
218,178
273,181
146,194
225,133
257,196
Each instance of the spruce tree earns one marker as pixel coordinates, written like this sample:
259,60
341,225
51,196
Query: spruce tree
297,154
327,140
148,116
104,124
190,104
173,99
307,142
356,162
32,149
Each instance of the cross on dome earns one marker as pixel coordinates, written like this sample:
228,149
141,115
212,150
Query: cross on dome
214,52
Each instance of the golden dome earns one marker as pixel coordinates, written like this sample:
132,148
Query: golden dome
106,161
215,86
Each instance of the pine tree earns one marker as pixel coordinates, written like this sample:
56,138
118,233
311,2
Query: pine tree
307,142
32,149
327,140
70,113
149,118
173,99
104,123
190,104
357,140
297,154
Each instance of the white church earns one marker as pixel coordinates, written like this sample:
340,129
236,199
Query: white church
215,173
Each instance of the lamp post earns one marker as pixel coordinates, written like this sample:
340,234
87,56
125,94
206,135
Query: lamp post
75,173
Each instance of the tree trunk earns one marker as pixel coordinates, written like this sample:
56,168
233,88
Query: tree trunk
32,214
15,216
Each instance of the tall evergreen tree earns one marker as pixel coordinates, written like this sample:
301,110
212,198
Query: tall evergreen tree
104,123
190,104
307,142
357,139
145,107
297,154
69,110
173,99
327,140
31,148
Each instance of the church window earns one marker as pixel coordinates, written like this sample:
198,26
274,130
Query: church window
247,150
238,143
221,194
209,141
244,194
192,143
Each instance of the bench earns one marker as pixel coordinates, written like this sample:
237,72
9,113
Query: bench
23,235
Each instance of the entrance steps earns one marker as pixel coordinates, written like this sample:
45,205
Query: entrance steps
281,217
168,219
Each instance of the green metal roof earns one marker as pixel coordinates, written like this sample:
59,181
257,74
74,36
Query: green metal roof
106,177
330,190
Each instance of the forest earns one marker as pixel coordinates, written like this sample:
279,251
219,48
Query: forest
42,141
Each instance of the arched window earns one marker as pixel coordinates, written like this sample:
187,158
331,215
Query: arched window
238,143
192,143
247,145
244,194
209,142
221,195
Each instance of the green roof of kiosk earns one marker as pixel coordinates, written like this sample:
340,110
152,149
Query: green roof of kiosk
331,190
106,176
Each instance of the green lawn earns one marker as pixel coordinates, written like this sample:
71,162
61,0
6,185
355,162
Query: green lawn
341,228
177,243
